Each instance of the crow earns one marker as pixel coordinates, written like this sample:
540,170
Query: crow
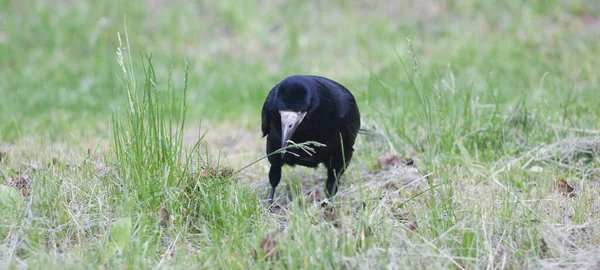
305,108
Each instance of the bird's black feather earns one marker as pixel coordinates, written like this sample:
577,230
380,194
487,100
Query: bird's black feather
332,118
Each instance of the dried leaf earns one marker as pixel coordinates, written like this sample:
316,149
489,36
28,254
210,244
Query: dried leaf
409,222
391,185
358,206
362,235
325,202
164,217
213,171
391,160
268,246
543,245
564,188
388,160
313,196
102,170
363,231
3,155
331,215
21,184
411,225
226,172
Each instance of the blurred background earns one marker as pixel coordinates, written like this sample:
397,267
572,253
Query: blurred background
478,94
59,73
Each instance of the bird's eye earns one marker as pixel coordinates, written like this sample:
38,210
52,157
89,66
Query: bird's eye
289,126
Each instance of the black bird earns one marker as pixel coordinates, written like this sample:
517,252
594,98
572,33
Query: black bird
310,108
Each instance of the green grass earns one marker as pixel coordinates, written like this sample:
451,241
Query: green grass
106,142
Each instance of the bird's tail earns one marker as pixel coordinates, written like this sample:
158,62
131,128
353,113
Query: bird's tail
366,131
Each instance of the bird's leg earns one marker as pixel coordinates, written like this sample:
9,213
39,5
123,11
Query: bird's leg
332,182
274,178
335,169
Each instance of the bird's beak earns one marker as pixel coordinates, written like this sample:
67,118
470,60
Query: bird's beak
290,120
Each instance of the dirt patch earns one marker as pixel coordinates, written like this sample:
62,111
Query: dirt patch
229,145
397,177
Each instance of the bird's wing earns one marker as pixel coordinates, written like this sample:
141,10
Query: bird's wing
266,112
265,119
346,108
351,127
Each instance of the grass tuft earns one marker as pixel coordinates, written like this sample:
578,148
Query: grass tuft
148,141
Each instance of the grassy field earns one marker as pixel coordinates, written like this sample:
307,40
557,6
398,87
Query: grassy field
130,138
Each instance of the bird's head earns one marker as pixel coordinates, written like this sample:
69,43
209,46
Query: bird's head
294,99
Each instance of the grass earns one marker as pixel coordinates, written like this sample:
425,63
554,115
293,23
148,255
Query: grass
132,159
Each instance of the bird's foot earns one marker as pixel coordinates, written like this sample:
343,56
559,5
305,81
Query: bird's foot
271,195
